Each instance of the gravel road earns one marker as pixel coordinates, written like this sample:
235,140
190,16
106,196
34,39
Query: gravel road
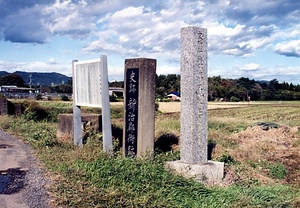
22,183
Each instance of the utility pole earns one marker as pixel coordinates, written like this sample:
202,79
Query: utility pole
30,80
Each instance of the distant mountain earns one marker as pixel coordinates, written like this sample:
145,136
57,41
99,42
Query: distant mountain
3,73
41,78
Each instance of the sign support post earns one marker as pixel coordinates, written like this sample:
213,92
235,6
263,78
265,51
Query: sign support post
106,122
77,123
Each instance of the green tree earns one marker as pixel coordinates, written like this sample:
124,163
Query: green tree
12,79
166,84
117,84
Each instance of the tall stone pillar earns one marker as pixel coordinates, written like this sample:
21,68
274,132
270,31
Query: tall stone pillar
193,161
193,83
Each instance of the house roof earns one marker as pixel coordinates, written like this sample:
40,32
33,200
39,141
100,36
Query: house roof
14,87
174,94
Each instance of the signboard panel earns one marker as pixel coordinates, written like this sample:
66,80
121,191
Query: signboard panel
87,82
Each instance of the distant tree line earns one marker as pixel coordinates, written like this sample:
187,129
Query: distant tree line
244,88
241,89
12,79
166,84
58,88
17,80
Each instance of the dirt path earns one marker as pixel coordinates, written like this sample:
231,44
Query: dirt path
22,184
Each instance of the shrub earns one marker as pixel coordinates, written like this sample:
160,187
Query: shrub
39,97
226,158
65,98
278,171
234,99
33,111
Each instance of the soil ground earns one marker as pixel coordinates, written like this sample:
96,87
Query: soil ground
22,184
262,146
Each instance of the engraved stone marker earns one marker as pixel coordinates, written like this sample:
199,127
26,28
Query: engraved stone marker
193,161
90,88
139,107
193,117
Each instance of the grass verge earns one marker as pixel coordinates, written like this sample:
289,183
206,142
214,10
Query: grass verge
87,177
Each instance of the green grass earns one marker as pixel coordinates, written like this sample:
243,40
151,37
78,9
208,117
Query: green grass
87,177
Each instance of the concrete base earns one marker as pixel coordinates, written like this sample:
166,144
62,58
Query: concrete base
209,173
90,123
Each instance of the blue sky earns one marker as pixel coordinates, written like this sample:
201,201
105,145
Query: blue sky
259,39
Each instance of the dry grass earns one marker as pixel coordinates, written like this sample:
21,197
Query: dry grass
255,148
170,107
257,152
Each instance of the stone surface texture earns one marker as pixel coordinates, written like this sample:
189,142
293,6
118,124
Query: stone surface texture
209,173
194,89
9,108
146,104
90,123
3,106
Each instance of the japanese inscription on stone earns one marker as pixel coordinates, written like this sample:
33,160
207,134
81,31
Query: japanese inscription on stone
131,102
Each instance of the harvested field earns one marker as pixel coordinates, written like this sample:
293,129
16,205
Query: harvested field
169,107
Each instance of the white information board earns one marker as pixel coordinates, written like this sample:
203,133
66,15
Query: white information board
87,82
90,88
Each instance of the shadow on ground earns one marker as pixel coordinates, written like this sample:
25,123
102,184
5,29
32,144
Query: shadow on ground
11,180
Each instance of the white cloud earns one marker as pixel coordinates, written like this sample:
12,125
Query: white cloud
281,73
134,28
67,18
51,61
167,69
138,31
217,29
250,67
36,66
288,48
26,25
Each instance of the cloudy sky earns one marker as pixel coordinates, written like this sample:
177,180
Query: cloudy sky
259,39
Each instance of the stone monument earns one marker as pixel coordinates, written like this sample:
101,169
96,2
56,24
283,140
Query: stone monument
193,118
139,107
90,88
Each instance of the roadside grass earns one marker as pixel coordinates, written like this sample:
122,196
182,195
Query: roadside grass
87,177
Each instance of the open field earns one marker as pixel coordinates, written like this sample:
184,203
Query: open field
259,143
169,107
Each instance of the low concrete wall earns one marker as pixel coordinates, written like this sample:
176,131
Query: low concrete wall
9,108
3,106
90,123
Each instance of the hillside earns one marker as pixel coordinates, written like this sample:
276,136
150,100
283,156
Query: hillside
41,78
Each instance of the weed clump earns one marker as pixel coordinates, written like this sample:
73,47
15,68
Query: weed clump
33,111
